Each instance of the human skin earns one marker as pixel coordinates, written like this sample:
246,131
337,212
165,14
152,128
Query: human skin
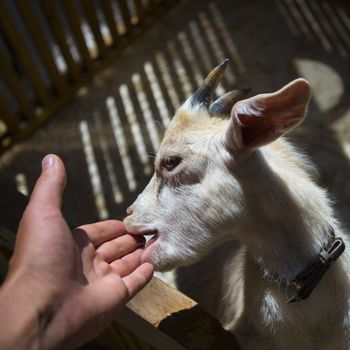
64,286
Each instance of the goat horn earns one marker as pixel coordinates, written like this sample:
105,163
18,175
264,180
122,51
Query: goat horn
205,92
224,104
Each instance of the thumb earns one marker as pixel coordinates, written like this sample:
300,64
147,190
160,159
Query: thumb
49,187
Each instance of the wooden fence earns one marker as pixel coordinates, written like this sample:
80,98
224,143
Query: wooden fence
50,48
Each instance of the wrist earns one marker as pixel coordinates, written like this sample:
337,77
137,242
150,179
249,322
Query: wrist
24,315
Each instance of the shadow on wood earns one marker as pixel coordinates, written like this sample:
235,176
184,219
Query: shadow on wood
170,320
196,329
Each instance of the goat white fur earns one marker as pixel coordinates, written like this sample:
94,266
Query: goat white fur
218,180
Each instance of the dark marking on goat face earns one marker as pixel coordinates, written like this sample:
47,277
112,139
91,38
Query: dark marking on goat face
160,187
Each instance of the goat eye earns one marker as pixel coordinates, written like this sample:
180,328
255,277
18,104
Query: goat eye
170,163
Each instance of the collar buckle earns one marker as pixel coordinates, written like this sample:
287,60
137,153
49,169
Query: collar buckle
307,279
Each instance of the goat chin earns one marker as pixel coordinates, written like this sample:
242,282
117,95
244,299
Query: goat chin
233,194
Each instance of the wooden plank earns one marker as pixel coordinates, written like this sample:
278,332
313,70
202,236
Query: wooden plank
75,23
139,10
41,44
108,13
168,319
167,302
59,35
124,9
8,117
15,85
23,55
91,15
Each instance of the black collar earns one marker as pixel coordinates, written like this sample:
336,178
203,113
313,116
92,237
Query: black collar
307,279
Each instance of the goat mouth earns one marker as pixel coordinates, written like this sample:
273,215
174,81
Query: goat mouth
151,240
150,246
146,232
150,235
149,232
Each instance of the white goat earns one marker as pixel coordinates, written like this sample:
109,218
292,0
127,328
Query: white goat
218,180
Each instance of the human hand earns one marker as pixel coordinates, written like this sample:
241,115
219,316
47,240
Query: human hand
63,286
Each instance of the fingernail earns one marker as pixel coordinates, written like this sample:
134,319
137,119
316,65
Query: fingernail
47,162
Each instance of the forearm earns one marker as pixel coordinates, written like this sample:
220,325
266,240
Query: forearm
23,316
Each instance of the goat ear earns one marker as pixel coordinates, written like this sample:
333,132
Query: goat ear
262,119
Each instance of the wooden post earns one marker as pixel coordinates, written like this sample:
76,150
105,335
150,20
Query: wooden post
23,55
75,21
90,13
124,9
59,35
57,81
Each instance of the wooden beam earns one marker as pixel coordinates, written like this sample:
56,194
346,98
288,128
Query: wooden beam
91,15
59,34
108,13
40,42
23,55
168,319
124,9
74,21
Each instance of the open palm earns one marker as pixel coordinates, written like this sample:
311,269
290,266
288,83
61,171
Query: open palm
78,277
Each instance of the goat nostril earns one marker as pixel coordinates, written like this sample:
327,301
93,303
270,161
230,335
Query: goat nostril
129,210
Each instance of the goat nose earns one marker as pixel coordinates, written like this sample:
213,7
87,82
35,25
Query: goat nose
129,210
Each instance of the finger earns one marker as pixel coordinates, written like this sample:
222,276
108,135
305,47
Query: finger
103,231
136,280
119,247
127,264
49,187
